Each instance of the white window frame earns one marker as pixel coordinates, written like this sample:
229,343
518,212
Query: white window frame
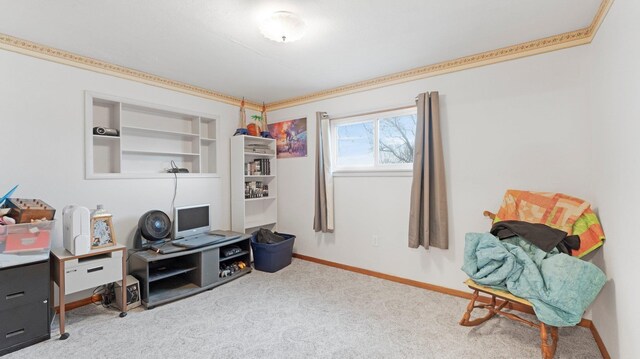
377,169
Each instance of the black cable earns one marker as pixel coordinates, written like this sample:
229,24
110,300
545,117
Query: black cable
107,293
109,296
131,251
99,290
157,249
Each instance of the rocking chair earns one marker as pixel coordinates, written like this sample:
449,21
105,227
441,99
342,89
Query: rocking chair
548,345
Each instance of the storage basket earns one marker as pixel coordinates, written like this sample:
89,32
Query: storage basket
272,257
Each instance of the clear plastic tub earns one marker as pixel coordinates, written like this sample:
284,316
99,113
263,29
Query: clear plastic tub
25,243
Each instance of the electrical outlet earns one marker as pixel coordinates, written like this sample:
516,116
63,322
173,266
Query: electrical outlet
375,241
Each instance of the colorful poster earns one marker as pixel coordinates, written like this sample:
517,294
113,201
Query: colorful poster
291,137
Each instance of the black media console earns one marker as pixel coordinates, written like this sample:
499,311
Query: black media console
168,277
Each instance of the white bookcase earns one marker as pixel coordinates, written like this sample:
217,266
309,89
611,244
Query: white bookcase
150,137
250,214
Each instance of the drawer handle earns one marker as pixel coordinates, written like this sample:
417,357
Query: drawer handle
15,295
94,269
14,333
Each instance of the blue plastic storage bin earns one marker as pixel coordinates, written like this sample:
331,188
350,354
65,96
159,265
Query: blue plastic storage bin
272,257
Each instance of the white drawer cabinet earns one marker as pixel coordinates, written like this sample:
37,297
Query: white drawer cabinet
92,272
75,273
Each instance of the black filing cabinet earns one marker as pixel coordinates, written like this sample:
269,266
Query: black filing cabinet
24,306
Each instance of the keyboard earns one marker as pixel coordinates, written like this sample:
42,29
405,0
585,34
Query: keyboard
199,241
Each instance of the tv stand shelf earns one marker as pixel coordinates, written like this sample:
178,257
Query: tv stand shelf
157,275
235,275
240,254
168,277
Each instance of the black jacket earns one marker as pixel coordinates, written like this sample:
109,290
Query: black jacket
543,236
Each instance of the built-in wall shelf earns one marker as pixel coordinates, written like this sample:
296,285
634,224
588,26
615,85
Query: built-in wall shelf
160,153
150,137
142,130
107,138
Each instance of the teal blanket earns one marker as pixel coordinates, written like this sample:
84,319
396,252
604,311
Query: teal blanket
559,287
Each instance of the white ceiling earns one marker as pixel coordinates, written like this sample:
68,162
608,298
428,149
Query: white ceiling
216,44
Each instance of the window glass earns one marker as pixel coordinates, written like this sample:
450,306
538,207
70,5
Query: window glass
396,139
354,144
383,141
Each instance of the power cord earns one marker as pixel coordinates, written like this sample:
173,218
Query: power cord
107,295
160,246
131,251
101,291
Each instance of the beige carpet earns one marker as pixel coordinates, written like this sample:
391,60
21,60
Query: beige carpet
304,311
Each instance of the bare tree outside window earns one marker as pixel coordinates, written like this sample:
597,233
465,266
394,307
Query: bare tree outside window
397,137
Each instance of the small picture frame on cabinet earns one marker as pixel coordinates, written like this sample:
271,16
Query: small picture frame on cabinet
102,233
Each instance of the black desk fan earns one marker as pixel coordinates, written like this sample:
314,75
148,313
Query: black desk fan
153,227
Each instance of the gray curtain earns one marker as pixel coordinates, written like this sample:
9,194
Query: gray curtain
428,222
323,218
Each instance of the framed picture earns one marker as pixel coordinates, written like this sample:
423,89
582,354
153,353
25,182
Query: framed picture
291,137
102,234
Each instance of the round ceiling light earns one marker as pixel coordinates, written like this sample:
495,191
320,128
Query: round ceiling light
283,26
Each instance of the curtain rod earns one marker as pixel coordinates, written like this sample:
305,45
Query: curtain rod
372,112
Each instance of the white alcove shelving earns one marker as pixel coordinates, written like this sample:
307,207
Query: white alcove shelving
150,137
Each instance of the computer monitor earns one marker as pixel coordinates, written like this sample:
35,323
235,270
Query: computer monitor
191,220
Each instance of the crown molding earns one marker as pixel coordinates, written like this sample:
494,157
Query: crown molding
29,48
605,5
539,46
552,43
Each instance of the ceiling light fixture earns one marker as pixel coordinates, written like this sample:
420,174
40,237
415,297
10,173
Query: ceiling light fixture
283,26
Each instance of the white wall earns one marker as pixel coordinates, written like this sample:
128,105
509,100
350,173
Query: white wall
521,124
42,127
615,88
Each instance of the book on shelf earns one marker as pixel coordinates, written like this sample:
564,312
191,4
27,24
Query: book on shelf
258,167
258,148
255,189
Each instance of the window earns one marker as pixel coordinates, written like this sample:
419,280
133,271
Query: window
381,141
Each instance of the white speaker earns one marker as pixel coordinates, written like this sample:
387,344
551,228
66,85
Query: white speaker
133,293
